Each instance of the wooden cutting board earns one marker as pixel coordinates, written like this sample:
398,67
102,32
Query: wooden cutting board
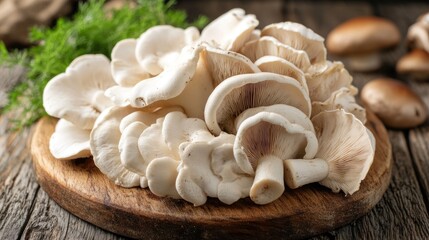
79,187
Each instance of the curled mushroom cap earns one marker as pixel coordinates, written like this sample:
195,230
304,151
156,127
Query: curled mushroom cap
263,141
78,94
238,93
415,64
299,37
126,70
343,98
321,84
418,33
270,46
160,46
283,67
231,30
361,38
346,152
69,142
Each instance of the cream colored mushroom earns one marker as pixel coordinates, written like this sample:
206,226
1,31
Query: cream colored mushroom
270,46
263,141
281,66
343,98
223,64
126,71
346,152
78,94
238,93
231,30
299,37
321,84
418,33
186,84
160,46
69,142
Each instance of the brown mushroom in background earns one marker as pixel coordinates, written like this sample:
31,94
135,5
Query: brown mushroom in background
418,33
415,64
394,103
360,41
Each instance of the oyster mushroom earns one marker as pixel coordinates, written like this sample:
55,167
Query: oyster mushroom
238,93
343,98
126,70
361,39
78,94
283,67
231,30
69,142
298,37
321,84
263,141
160,46
270,46
346,152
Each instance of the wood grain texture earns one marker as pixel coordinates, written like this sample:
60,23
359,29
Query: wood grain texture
79,187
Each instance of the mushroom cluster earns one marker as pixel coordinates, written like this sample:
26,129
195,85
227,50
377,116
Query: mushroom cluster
228,113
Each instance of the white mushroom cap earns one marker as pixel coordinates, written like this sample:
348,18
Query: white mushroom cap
281,66
231,30
126,70
343,98
186,84
160,46
299,37
161,174
418,33
104,142
78,94
323,83
270,46
347,146
223,64
263,141
238,93
69,142
292,114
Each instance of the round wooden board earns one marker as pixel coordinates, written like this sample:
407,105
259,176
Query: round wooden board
79,187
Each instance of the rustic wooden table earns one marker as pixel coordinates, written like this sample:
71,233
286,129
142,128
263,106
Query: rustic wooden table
26,211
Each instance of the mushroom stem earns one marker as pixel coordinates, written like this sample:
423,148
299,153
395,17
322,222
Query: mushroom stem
299,172
364,62
268,184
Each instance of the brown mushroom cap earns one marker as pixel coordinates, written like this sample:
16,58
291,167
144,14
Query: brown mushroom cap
361,35
394,103
415,63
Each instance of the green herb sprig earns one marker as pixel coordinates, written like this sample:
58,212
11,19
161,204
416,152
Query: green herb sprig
89,31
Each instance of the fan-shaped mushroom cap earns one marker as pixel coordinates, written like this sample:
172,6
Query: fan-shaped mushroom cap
262,142
322,84
270,46
283,67
186,84
126,70
238,93
347,146
231,30
78,94
160,46
104,142
415,64
418,33
343,98
299,37
223,64
161,175
292,114
69,142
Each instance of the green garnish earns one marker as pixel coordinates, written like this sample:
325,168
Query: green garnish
89,31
